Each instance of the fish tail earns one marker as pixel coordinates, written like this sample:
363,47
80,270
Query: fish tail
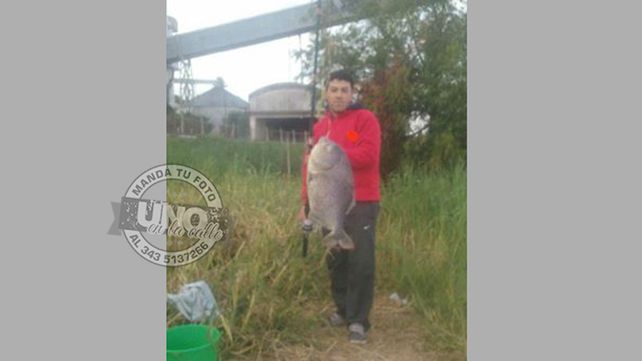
338,237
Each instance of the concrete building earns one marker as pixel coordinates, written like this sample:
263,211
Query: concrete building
279,108
216,104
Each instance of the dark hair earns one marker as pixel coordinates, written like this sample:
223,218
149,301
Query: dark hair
340,75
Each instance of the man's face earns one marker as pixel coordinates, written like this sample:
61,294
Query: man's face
339,95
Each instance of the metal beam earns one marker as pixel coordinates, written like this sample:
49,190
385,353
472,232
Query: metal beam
250,31
195,81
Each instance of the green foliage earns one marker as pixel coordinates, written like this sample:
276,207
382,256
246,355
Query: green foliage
192,124
221,155
270,296
422,248
435,152
411,57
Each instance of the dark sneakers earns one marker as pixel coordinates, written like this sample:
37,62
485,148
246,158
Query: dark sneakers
358,334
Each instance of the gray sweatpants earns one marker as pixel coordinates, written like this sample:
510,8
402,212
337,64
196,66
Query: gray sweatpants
352,272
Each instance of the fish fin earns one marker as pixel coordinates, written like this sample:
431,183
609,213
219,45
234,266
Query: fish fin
313,217
352,204
338,237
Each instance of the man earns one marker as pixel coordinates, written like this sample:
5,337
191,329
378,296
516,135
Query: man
357,132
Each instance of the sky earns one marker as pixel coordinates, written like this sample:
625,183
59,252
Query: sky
246,69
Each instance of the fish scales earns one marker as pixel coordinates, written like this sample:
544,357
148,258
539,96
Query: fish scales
330,187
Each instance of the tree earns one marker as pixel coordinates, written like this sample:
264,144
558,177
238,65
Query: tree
411,57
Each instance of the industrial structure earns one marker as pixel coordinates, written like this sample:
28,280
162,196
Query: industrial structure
280,110
286,106
255,30
215,105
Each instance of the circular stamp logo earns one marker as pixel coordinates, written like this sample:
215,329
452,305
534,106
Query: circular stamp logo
200,226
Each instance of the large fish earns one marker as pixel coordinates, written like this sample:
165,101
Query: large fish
330,191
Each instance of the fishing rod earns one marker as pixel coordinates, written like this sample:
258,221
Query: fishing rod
307,225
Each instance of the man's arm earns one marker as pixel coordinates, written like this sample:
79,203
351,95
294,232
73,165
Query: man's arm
368,145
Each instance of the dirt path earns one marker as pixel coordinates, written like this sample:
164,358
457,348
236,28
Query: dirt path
395,336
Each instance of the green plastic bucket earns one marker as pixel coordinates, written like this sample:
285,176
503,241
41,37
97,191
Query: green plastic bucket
192,343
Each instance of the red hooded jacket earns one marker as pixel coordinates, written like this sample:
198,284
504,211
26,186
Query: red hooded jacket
357,132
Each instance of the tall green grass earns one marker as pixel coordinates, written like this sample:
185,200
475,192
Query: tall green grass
421,243
238,157
271,296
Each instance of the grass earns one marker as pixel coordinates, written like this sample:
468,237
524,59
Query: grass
270,296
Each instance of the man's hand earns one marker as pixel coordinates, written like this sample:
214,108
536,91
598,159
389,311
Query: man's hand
306,224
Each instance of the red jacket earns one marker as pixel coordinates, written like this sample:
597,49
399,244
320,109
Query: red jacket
358,133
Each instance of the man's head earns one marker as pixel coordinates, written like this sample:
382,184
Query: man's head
338,90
